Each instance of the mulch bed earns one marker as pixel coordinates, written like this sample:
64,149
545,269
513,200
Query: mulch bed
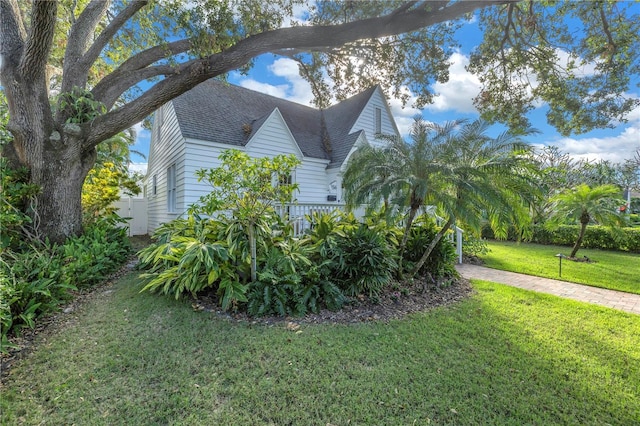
416,296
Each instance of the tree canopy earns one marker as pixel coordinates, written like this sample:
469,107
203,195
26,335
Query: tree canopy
106,65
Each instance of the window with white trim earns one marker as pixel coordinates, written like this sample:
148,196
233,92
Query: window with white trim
378,120
171,188
154,185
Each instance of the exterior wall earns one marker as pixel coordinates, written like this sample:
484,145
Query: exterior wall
311,177
167,148
367,119
199,155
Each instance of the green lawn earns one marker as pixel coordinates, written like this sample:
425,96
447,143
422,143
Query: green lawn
613,270
504,357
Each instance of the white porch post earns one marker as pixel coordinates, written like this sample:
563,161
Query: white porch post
459,244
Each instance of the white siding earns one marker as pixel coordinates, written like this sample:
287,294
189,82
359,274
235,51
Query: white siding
311,177
166,150
367,119
200,155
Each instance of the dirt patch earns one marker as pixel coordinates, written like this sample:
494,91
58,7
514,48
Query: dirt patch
583,259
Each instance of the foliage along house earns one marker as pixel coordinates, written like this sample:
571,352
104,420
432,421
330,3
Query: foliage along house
191,131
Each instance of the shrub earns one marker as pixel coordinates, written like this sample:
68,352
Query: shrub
187,257
441,261
595,237
276,290
283,288
36,279
362,260
15,193
473,246
33,282
97,253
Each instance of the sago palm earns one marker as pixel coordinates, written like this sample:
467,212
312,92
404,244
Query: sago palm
585,204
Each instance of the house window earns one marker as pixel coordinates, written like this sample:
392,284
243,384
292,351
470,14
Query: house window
285,179
154,186
171,188
378,120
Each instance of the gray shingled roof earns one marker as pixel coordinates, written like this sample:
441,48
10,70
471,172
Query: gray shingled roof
339,119
220,112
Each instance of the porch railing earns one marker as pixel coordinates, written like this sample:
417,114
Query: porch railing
296,214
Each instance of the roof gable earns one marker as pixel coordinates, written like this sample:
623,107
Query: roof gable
276,120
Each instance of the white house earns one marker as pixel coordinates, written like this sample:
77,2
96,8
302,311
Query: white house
191,131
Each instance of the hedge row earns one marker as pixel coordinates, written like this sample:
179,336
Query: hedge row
596,237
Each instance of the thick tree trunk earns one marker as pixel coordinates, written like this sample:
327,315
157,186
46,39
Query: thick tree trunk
58,212
55,159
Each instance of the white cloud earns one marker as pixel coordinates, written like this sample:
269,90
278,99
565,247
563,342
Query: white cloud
615,148
404,115
138,167
457,94
582,69
300,15
279,91
296,89
300,90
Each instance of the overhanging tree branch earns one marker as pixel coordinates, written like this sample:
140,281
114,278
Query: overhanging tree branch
313,37
82,30
132,71
611,46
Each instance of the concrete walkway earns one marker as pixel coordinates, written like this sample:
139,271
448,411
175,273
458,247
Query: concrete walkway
613,299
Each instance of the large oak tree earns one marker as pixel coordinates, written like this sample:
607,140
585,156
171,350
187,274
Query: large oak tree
112,63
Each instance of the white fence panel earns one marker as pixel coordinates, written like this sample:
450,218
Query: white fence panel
135,209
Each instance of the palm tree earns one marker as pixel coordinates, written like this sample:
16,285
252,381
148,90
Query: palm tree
481,178
400,174
585,204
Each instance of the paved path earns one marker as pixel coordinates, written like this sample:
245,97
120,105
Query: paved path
614,299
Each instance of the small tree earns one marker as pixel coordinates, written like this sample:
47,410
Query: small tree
585,204
248,187
402,173
481,177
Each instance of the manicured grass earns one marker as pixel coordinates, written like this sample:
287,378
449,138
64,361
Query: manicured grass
504,357
612,270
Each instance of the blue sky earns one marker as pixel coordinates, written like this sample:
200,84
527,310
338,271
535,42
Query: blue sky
279,77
